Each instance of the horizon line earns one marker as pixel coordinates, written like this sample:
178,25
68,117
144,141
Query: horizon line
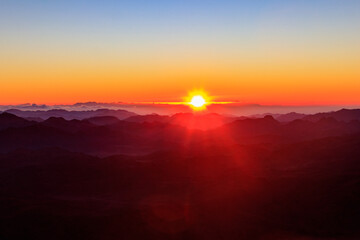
182,103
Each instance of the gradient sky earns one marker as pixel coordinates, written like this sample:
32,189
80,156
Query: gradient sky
255,51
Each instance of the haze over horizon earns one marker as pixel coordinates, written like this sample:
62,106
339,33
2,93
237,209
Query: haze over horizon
236,109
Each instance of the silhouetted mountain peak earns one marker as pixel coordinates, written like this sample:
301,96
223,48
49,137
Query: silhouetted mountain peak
345,110
55,120
9,116
69,115
265,120
253,126
345,115
269,118
10,120
288,117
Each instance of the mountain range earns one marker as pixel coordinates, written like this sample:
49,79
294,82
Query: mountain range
113,174
144,134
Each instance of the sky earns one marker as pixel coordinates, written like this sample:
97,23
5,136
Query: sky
303,52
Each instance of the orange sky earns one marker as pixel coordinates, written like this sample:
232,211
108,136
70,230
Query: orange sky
288,81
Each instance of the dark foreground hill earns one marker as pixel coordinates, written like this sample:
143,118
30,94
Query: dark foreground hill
309,190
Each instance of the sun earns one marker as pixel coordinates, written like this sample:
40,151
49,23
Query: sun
198,101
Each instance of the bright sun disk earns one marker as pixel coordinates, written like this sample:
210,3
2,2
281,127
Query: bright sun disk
198,101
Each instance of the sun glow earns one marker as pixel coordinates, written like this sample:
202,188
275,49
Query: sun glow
198,100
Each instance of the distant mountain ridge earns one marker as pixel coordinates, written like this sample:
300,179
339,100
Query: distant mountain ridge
346,115
70,115
108,135
235,108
